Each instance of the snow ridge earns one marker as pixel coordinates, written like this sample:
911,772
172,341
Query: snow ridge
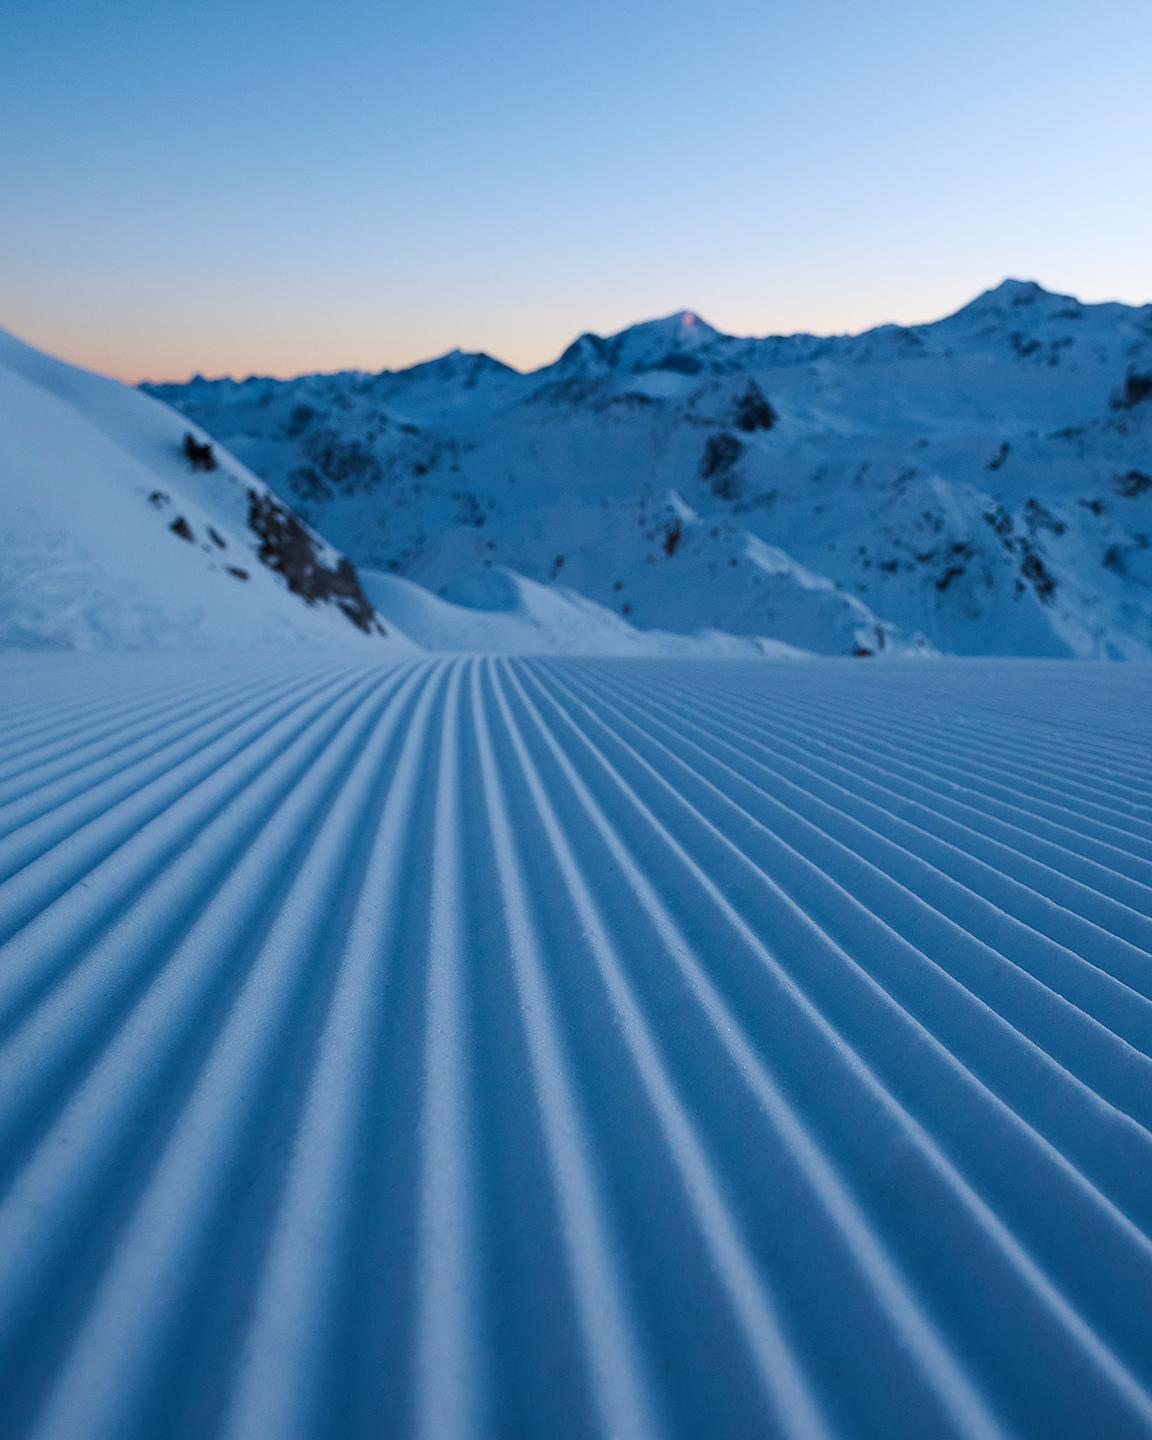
124,528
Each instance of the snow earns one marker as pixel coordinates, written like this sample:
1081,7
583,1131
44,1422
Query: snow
593,1027
92,481
114,542
554,1046
974,486
501,612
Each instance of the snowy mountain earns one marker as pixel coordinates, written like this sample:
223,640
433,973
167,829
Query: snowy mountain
123,528
980,485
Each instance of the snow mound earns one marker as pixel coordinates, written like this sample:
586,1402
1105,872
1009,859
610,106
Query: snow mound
499,612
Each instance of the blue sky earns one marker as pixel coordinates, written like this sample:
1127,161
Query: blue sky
276,187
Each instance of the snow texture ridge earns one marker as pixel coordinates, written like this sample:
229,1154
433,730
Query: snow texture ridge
487,1046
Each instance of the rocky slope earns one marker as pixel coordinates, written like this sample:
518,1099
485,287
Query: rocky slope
123,528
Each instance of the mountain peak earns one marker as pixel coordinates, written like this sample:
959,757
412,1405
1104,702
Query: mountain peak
684,320
640,346
1016,292
683,327
1011,295
452,365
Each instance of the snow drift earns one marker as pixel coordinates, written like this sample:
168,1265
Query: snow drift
500,612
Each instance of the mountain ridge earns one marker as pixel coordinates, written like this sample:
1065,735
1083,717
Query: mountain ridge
977,485
1010,290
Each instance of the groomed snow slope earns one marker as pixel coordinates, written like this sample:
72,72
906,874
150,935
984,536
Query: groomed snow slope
549,1047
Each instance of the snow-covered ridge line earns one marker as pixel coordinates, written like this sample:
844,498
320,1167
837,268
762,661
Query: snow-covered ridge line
125,527
564,1047
684,330
979,485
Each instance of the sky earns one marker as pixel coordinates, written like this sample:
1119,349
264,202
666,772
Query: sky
278,186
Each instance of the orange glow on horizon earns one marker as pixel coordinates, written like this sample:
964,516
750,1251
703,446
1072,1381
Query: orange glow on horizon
523,338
